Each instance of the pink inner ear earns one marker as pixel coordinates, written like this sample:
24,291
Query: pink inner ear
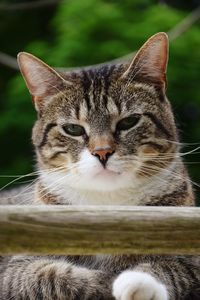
34,75
150,62
41,80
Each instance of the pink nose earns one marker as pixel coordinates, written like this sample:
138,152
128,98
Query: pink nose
103,154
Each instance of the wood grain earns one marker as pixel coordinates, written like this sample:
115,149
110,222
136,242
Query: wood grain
99,229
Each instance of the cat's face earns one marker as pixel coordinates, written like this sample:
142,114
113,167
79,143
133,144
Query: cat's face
103,129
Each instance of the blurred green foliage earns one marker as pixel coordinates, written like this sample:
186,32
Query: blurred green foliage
83,32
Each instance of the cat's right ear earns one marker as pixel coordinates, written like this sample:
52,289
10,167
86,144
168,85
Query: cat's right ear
42,81
150,62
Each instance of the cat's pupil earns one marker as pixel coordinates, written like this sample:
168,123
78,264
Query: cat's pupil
127,123
73,129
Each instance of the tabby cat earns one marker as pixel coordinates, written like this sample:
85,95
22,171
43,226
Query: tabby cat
104,135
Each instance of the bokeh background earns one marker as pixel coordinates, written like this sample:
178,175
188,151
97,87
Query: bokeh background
72,33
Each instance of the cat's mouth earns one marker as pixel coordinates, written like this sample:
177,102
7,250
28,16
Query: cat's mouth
107,173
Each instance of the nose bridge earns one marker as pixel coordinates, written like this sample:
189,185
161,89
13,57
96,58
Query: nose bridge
101,143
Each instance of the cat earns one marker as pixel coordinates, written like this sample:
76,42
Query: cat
104,135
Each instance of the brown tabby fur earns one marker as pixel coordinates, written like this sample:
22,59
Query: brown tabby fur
140,165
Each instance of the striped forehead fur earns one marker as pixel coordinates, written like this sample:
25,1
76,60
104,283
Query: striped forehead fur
95,86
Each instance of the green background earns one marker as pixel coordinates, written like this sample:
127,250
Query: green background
84,32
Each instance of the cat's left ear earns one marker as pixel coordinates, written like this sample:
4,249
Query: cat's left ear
150,62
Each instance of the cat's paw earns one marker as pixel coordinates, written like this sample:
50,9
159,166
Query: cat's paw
133,285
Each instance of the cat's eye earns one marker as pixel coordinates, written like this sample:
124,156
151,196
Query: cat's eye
74,129
128,122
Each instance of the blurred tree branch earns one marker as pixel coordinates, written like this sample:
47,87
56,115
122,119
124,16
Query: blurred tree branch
179,29
184,25
8,61
173,34
27,5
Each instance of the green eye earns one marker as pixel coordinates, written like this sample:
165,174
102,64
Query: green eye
128,122
73,129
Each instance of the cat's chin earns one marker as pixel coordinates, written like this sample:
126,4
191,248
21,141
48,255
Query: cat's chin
104,180
100,180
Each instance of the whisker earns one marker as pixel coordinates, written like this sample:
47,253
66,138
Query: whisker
12,176
29,174
24,176
178,143
48,189
56,88
192,151
173,173
162,156
26,188
26,181
16,179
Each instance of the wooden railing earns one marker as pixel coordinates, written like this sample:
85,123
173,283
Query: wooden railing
99,229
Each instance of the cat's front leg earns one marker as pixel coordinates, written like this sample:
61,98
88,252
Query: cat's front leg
51,279
137,285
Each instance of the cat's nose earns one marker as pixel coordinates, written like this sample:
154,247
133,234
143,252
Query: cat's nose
103,153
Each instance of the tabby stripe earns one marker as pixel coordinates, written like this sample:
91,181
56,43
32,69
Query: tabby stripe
9,292
107,81
95,89
182,191
52,282
57,153
86,84
77,111
39,282
159,125
153,144
181,285
81,292
45,135
173,281
38,291
161,93
189,270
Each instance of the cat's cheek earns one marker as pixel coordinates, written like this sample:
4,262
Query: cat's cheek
135,285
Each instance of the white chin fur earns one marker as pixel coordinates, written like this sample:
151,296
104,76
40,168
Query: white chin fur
104,181
134,285
92,176
87,182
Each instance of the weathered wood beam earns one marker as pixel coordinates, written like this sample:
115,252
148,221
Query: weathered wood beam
99,229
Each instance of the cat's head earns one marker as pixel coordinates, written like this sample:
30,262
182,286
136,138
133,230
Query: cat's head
103,128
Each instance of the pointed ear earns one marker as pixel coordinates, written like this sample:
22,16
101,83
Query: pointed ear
150,62
42,81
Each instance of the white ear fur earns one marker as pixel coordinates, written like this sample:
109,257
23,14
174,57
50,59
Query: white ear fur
150,62
41,80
